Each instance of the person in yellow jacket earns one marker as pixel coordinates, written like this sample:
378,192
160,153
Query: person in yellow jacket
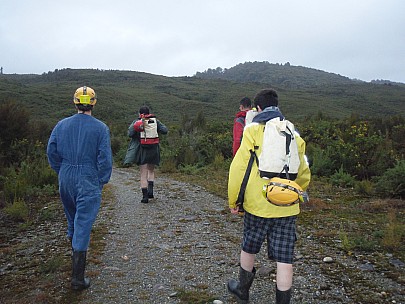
263,220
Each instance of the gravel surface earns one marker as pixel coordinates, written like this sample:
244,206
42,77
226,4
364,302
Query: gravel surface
185,242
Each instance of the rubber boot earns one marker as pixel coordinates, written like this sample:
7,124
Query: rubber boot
283,297
150,189
144,195
241,289
79,282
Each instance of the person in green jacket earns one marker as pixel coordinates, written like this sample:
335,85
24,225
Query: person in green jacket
144,149
263,220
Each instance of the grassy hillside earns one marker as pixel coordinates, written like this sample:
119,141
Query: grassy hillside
121,93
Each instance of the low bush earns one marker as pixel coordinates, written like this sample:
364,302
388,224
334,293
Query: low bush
342,179
392,182
18,210
365,187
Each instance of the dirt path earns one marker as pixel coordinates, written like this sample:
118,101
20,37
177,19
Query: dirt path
159,250
185,243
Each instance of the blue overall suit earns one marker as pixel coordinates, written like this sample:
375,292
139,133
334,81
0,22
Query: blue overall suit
79,150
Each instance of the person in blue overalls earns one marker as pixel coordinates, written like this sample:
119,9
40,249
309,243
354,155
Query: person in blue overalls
79,150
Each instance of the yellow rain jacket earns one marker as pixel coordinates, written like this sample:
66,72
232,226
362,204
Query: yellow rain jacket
254,202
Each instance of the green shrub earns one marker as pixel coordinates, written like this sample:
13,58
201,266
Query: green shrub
190,169
364,187
392,182
320,161
120,155
115,145
364,243
46,214
18,210
14,185
347,244
53,265
32,178
168,165
218,161
342,179
394,233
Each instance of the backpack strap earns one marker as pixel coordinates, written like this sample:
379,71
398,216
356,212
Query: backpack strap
241,195
241,120
288,138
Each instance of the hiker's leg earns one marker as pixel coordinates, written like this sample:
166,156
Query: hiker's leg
144,175
284,283
254,233
247,260
283,239
284,276
280,242
151,172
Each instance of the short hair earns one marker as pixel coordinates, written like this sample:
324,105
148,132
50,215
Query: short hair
266,98
246,102
84,107
144,110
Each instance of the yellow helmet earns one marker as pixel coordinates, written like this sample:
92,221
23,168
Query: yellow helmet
85,96
282,192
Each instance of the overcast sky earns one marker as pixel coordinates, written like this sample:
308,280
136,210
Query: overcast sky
363,39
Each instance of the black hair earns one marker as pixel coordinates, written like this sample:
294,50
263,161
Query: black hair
144,110
245,102
84,108
266,98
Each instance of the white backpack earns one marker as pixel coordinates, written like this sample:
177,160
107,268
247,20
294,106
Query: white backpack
279,156
249,116
150,133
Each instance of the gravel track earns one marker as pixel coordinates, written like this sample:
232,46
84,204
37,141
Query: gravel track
185,240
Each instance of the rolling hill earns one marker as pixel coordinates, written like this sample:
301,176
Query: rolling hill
302,92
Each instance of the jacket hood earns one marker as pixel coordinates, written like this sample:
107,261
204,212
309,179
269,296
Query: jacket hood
267,114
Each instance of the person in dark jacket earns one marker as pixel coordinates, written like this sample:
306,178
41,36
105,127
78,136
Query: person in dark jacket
144,149
79,151
239,123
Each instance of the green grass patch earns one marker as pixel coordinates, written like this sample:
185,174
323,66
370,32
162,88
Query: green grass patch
200,296
18,210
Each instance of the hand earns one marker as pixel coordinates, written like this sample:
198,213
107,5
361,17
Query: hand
234,210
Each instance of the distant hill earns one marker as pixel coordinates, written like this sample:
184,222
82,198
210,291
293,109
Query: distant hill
302,92
287,75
